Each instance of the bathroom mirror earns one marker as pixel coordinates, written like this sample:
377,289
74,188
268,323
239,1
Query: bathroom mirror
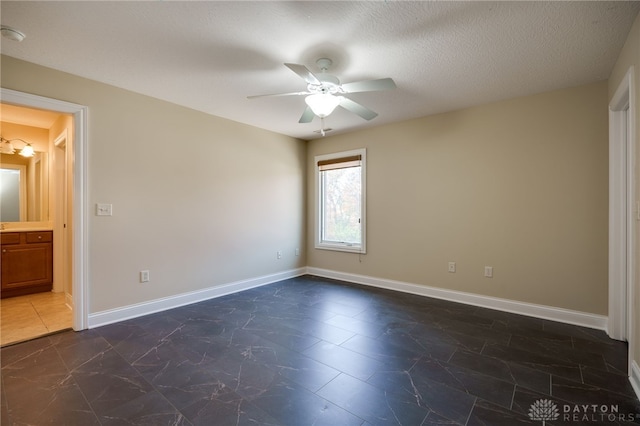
24,188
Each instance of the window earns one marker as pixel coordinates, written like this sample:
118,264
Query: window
340,209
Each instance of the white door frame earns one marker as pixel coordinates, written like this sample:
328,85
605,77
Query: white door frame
60,227
80,244
622,205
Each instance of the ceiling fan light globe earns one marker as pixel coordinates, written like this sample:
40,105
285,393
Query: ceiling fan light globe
322,104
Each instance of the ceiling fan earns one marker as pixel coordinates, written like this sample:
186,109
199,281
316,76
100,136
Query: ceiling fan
324,92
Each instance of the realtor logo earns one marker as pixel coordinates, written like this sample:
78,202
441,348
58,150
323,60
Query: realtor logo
544,409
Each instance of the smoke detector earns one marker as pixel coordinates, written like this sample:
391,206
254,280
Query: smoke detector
12,34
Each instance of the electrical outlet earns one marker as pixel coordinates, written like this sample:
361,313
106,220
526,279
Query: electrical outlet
488,271
452,266
297,252
279,254
144,276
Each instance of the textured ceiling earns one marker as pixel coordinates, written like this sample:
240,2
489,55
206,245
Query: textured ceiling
210,56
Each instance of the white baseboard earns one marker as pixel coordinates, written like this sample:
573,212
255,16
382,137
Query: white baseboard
529,309
634,378
132,311
538,311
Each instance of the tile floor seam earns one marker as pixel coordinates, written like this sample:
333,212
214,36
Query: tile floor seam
513,396
452,354
471,411
84,396
38,314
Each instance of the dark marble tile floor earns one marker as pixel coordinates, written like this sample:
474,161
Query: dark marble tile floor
313,351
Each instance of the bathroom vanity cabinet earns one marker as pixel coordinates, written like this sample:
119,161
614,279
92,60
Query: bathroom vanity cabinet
27,262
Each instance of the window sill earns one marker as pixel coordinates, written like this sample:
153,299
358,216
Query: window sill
341,247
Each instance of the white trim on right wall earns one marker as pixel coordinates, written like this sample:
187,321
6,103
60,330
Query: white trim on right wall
634,378
567,316
622,203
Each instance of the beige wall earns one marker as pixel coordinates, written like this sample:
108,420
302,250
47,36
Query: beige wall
198,200
520,185
630,56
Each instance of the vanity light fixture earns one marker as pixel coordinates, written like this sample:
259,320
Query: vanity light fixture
27,151
6,147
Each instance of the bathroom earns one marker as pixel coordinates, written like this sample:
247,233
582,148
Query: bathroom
35,223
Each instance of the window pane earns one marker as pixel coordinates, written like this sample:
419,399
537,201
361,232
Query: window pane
341,202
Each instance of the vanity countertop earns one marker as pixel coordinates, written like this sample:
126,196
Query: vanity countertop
4,231
25,227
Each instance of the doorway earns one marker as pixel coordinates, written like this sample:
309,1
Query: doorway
41,204
76,227
622,212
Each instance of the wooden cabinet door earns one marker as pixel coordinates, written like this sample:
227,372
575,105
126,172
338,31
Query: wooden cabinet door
26,265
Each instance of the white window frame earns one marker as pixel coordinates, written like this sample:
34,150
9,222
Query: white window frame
346,247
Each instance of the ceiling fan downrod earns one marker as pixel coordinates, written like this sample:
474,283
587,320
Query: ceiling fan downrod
324,64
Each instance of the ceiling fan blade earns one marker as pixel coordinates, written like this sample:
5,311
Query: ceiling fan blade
279,94
369,85
303,72
307,116
356,108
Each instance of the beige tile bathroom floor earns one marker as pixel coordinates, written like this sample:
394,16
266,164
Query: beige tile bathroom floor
26,317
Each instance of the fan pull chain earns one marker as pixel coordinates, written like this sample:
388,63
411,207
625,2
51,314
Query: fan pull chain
322,126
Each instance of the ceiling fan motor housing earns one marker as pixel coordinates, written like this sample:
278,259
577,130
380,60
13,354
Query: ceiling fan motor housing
329,84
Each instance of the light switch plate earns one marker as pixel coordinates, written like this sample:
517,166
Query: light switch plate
104,209
488,271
